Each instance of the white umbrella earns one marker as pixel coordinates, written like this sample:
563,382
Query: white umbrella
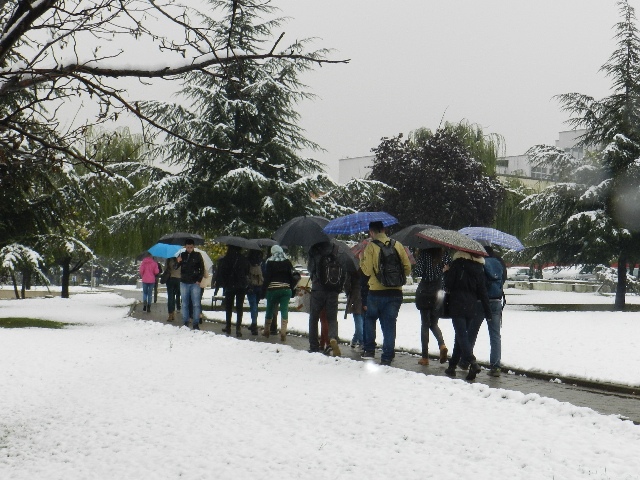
208,263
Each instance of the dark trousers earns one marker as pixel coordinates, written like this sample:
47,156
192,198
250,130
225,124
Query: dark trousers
231,295
173,294
462,349
322,300
429,321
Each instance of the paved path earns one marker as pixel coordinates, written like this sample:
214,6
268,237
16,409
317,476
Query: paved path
609,399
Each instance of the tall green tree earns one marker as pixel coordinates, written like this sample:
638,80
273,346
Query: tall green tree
436,180
592,215
254,178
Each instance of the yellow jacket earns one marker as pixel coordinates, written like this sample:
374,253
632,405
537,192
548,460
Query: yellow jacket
370,259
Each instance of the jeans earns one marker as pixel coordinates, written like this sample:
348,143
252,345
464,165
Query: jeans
493,327
429,321
173,294
463,348
386,309
322,300
358,322
191,293
253,298
147,293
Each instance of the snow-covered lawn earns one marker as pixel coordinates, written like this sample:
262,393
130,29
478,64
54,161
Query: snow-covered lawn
119,398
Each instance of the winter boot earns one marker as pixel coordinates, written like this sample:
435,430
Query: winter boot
267,329
238,327
335,347
274,327
170,318
283,330
144,307
148,308
443,353
474,368
424,361
254,329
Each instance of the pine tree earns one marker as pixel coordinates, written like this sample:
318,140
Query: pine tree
252,178
592,216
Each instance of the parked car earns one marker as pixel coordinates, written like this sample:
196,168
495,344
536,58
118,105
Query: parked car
302,269
518,274
576,272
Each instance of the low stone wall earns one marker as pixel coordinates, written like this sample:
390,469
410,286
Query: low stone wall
578,287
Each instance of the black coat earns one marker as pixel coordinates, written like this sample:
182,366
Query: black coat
277,272
191,267
465,282
233,272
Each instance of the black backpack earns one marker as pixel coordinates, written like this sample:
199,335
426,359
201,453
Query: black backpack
390,269
331,273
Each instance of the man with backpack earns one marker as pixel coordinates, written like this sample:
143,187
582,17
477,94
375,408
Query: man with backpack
327,280
387,265
495,271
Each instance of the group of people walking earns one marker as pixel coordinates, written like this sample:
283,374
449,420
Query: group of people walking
474,287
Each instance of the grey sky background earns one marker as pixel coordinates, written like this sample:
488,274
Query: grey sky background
497,63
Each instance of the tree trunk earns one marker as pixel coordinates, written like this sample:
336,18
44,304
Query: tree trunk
621,287
66,275
15,285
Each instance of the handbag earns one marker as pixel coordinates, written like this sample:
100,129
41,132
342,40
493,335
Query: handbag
165,275
295,278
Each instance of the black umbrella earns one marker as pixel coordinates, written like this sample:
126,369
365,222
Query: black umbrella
264,242
238,242
346,256
178,238
409,238
303,231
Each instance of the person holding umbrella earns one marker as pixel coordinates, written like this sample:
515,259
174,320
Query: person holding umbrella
233,278
191,274
464,280
429,268
278,277
386,279
328,275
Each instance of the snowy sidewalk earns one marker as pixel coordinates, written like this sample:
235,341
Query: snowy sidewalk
607,398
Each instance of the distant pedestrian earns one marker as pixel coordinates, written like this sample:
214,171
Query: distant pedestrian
278,277
233,278
354,306
155,283
173,287
148,271
254,290
495,271
191,274
429,268
386,279
327,281
464,280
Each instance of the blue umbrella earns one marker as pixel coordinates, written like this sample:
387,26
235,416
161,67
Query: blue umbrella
358,222
164,250
492,236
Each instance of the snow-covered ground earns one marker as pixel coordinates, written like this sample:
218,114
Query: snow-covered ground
114,397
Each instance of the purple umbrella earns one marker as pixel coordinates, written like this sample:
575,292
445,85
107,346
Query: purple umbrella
492,236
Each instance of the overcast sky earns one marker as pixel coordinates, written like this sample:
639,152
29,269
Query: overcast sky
497,63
